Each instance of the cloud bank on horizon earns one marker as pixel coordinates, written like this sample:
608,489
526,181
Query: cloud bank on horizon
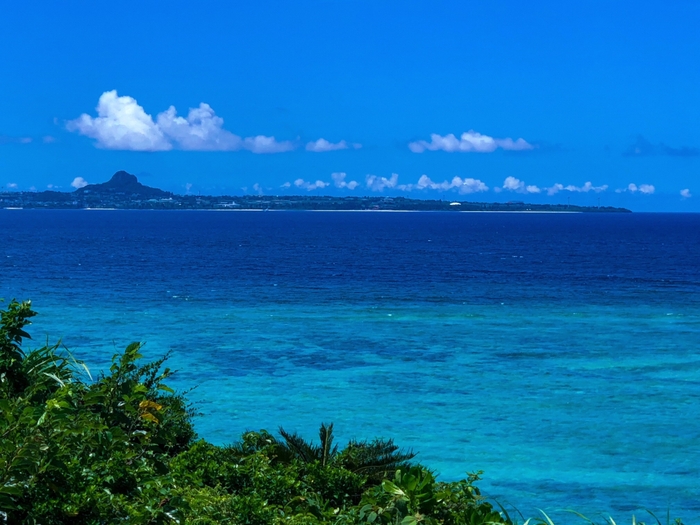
322,145
340,182
646,189
464,186
469,142
457,185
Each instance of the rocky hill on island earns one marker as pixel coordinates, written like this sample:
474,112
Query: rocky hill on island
126,184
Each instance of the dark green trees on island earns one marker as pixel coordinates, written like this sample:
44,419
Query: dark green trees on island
121,448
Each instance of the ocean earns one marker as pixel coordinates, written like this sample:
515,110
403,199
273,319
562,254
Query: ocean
557,353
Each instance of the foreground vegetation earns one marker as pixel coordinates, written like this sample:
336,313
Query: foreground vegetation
121,448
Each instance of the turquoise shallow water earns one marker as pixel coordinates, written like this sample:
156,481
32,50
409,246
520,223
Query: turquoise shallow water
559,354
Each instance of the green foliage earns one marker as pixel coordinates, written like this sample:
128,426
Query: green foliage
376,459
122,448
82,450
13,377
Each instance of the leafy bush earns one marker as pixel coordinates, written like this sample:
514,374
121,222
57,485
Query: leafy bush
81,450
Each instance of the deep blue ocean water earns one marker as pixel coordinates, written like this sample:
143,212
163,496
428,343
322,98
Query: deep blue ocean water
558,353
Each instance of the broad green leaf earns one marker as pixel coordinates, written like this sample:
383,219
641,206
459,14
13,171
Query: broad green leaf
391,488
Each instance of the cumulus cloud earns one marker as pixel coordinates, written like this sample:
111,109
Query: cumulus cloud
202,130
588,186
647,189
467,185
686,193
310,186
643,148
553,190
12,185
470,141
322,145
518,186
263,144
375,183
122,124
79,182
340,182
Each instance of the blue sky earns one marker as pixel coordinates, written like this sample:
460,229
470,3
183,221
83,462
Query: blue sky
486,101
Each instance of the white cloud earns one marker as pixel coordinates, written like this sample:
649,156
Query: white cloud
48,139
647,189
513,184
376,183
202,130
310,186
12,185
588,186
470,141
323,145
340,182
263,144
463,186
257,188
79,182
122,124
509,144
518,186
552,190
25,140
470,185
686,193
286,185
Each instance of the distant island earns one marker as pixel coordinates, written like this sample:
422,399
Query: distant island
124,191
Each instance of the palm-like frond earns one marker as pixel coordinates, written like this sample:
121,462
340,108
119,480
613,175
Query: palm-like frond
327,450
305,451
379,457
299,447
376,459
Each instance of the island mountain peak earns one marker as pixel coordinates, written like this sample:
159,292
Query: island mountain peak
122,178
123,183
